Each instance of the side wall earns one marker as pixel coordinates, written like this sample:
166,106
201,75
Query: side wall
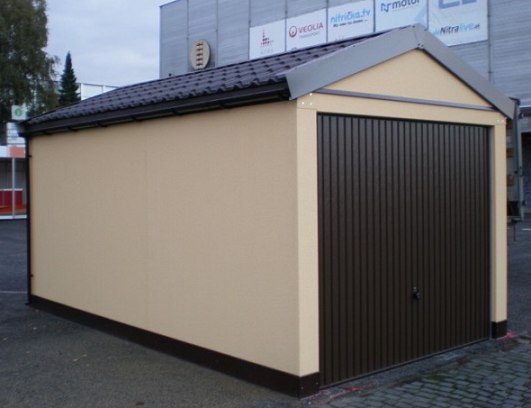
186,227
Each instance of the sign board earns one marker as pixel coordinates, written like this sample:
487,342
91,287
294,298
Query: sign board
452,21
13,139
459,21
306,30
393,14
268,39
350,20
19,112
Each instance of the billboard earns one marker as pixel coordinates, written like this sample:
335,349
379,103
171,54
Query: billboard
268,39
350,20
459,21
393,14
452,21
306,30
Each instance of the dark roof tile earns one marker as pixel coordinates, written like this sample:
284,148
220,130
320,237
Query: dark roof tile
248,75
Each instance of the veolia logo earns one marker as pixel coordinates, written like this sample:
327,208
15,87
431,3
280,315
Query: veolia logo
396,5
292,31
443,4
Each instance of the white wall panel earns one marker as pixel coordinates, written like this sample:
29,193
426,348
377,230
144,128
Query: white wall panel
233,31
173,38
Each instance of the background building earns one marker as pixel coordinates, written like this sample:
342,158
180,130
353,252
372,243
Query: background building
492,36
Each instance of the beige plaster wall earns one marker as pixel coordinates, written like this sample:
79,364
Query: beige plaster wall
187,227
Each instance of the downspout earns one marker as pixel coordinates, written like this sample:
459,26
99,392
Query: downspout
28,223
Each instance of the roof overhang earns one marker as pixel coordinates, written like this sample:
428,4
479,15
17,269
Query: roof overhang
343,63
178,107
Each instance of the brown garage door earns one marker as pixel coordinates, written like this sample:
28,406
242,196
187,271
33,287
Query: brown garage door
404,241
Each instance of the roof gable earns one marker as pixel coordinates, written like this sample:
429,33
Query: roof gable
415,77
279,77
363,55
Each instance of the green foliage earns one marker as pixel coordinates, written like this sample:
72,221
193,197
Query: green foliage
68,92
26,70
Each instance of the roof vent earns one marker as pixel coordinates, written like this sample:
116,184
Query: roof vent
200,54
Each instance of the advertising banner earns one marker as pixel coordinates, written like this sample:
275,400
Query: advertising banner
306,30
459,21
268,39
392,14
350,20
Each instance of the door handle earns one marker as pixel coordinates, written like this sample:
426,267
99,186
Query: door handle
416,293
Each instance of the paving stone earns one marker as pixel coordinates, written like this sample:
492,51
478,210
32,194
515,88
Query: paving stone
497,380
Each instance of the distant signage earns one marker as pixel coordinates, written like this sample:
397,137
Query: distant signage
13,139
350,20
267,39
392,14
19,112
306,30
459,21
452,21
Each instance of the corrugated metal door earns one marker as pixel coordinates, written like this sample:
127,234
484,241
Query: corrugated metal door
404,241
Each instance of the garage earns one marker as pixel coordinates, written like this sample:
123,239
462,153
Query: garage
404,249
296,220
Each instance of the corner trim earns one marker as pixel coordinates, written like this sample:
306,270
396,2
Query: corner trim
29,275
499,329
280,381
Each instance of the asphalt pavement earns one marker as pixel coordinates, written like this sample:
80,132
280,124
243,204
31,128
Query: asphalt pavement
46,361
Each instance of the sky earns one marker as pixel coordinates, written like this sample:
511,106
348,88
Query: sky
112,42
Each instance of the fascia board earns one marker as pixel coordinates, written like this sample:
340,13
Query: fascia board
456,65
341,64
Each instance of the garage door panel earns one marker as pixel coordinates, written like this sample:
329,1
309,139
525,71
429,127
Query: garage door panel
403,207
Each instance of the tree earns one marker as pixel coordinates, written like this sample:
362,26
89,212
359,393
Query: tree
26,70
68,93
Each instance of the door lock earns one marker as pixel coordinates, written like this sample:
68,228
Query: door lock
416,293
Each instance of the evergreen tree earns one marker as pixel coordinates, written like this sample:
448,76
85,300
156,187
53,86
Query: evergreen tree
69,88
26,70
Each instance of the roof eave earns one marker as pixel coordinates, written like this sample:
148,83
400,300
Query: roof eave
455,64
248,96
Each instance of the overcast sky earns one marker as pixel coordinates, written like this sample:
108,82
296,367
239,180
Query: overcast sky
112,42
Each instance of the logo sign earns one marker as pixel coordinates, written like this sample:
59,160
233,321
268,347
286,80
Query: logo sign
18,112
350,20
459,21
306,30
267,39
398,13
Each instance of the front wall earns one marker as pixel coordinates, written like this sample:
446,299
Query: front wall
186,227
426,80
